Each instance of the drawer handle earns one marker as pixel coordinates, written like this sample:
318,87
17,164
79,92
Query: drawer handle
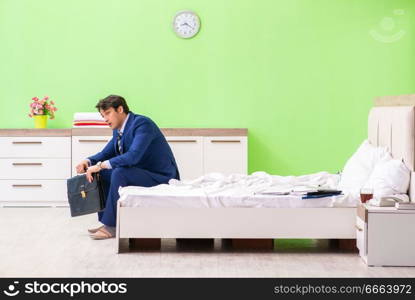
93,141
27,164
27,142
27,185
182,141
225,141
358,228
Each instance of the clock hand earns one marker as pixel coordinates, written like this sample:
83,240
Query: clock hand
187,25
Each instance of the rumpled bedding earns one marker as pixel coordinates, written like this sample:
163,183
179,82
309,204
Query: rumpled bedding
259,189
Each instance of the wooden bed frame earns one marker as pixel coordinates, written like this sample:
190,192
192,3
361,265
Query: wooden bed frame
391,126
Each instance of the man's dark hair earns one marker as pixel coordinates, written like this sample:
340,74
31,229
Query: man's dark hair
114,101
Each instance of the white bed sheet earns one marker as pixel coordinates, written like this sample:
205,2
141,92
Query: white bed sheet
216,190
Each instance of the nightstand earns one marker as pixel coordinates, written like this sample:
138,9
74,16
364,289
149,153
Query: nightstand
385,236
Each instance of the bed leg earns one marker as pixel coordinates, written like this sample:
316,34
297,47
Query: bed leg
252,244
348,244
186,243
144,244
344,244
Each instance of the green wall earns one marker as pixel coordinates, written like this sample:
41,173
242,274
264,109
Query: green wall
299,74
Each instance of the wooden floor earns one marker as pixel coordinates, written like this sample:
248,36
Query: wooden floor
47,242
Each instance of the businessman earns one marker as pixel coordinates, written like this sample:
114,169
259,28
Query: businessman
138,154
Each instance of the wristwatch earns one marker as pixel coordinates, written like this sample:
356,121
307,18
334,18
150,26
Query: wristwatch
99,165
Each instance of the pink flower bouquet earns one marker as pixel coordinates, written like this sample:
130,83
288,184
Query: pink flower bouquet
42,107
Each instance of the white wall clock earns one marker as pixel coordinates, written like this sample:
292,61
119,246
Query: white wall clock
186,24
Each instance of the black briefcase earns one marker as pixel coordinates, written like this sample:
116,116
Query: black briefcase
85,197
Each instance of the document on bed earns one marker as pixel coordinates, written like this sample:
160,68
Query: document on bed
294,191
274,191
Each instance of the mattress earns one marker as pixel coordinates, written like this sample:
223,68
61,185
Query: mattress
258,190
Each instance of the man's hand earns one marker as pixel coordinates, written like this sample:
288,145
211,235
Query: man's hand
90,171
82,167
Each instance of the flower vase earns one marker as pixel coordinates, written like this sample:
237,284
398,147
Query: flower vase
40,121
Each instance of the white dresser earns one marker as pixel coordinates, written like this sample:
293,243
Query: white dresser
35,165
37,162
197,150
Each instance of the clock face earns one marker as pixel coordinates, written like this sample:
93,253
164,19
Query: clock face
186,24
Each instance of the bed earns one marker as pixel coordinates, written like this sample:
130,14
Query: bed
192,214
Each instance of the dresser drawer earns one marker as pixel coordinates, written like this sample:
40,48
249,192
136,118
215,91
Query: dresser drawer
188,153
84,146
48,147
226,155
35,168
33,190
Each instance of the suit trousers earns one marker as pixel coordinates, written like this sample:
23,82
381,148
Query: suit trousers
112,179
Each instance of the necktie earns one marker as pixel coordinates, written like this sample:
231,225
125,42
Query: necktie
119,142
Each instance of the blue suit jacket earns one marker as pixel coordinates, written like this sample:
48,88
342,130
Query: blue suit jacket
144,146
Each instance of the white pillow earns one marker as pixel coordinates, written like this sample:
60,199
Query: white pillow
358,168
389,178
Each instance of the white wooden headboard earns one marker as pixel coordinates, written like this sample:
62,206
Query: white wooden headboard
394,127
